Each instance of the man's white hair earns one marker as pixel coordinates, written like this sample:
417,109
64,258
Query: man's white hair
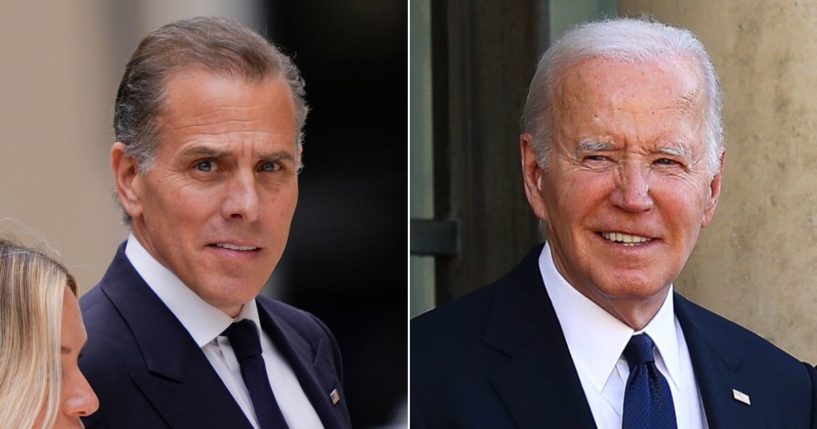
624,39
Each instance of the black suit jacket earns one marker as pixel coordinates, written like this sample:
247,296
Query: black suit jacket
497,358
149,373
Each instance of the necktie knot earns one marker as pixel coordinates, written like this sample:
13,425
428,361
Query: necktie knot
243,336
647,398
639,350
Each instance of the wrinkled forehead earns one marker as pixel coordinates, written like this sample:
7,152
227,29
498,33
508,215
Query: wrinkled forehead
661,83
202,103
208,89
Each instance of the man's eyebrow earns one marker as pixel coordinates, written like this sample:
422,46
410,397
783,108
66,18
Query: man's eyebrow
277,155
202,151
676,150
594,145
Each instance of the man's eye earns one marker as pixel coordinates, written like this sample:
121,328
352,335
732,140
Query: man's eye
666,161
269,166
205,166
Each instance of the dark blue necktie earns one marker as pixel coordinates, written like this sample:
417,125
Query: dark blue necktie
243,336
647,398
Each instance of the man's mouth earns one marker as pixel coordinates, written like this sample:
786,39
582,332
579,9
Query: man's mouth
625,239
230,246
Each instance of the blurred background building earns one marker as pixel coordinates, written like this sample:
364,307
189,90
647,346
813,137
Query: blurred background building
471,63
345,260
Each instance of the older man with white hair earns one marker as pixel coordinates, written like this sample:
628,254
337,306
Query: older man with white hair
622,157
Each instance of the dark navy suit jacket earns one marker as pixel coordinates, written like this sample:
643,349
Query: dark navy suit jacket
149,373
497,358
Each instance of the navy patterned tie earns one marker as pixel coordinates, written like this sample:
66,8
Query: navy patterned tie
647,398
243,336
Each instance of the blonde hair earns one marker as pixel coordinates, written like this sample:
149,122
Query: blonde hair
32,287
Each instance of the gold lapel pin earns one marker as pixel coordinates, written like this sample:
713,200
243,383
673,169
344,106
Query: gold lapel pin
741,397
335,396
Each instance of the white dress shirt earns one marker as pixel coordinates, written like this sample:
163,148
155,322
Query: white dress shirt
205,324
596,341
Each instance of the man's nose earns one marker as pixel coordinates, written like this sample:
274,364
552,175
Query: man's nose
80,400
632,188
242,199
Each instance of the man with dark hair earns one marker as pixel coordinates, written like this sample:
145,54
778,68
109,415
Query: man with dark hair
622,159
208,122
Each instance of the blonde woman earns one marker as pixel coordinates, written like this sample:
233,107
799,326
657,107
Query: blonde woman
41,336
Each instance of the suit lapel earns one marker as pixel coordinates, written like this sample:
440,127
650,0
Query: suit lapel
538,382
180,383
716,363
308,365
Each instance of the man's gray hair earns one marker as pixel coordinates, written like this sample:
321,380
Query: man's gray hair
219,45
624,39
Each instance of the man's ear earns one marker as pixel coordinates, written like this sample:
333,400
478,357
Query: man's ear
532,175
714,193
126,179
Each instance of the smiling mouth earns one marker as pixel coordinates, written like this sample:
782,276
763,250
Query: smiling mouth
625,239
236,247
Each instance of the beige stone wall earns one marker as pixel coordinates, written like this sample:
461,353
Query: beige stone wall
56,86
757,262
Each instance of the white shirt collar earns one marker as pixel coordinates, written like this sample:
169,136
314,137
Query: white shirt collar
203,321
595,338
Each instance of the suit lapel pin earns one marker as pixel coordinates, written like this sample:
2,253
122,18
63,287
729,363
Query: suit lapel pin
741,397
335,396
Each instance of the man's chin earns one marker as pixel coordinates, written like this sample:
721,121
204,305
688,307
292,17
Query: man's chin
634,290
230,294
